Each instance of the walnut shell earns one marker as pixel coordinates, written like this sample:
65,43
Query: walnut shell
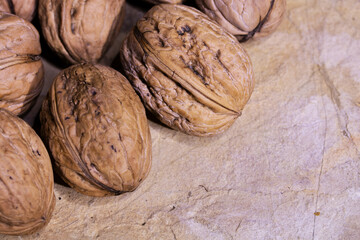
21,68
23,8
27,197
97,131
165,1
245,19
190,73
80,31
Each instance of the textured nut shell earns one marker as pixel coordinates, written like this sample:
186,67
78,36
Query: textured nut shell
193,75
164,1
80,31
97,130
245,19
21,69
27,197
23,8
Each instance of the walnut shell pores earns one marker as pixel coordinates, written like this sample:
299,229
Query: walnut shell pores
80,31
193,75
21,69
97,131
23,8
245,19
27,197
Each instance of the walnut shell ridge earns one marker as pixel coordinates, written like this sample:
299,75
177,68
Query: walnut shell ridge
96,129
21,68
190,73
81,31
245,19
27,197
23,8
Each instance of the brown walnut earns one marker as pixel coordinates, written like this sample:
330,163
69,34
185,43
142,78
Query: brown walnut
80,31
23,8
165,1
27,197
21,68
190,73
245,19
97,131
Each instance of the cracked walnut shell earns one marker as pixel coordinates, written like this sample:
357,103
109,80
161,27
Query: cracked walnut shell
27,197
191,74
23,8
80,30
21,68
97,131
245,19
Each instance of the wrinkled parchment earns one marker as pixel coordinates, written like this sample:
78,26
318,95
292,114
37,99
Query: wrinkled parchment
293,152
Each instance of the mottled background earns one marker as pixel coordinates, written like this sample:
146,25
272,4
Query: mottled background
287,169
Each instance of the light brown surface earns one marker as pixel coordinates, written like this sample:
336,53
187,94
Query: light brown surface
293,152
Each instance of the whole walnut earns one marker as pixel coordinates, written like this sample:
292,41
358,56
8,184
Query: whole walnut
21,68
97,131
81,30
190,73
27,197
23,8
243,18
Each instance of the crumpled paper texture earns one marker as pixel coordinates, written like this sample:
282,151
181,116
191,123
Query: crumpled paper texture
294,151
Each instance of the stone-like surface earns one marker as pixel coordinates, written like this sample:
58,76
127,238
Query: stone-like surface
293,152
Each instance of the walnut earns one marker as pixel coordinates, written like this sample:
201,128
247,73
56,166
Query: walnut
164,1
190,73
245,19
80,31
97,131
23,8
21,69
27,197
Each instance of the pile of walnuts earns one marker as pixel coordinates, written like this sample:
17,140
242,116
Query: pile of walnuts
184,66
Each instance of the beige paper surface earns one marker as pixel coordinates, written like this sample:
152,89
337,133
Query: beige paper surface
293,153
